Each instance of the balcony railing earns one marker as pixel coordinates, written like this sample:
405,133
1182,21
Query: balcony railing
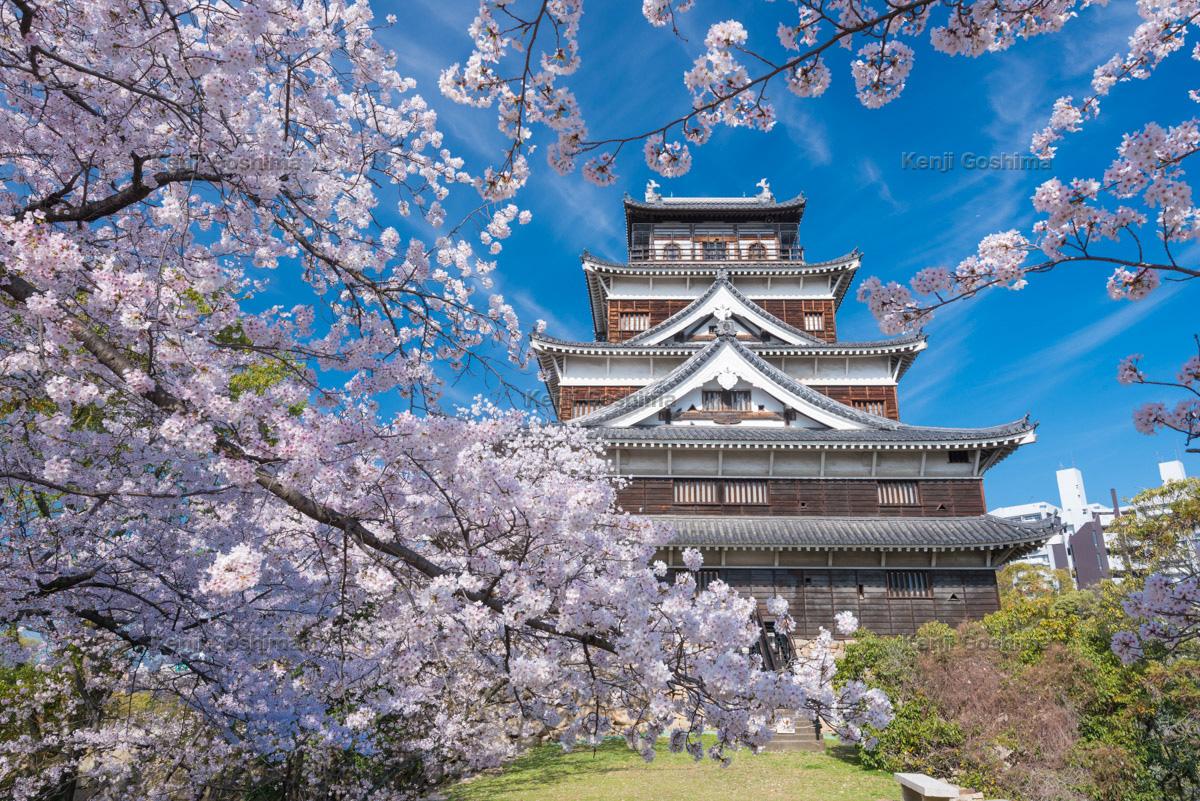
712,252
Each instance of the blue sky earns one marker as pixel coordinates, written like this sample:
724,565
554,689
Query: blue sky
1050,350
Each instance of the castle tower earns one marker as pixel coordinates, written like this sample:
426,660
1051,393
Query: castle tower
721,390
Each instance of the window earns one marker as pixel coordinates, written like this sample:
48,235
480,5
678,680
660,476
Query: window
699,491
581,407
757,250
634,321
750,493
899,493
724,400
708,491
671,252
959,457
908,584
714,250
814,321
875,407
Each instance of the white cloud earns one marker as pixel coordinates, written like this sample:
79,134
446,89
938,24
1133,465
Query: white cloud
872,177
808,133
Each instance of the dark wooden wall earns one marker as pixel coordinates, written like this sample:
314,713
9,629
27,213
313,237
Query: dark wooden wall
606,395
815,596
842,394
658,310
943,498
792,313
849,394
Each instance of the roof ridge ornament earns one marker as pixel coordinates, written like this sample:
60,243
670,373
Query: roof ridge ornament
725,329
765,193
651,195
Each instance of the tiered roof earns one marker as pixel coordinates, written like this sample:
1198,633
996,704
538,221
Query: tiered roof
759,207
841,426
595,269
805,418
983,532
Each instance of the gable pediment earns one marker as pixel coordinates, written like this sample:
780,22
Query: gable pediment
727,365
723,303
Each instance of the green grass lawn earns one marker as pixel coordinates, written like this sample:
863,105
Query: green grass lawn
614,773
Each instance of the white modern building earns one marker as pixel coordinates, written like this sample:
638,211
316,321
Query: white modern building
1081,548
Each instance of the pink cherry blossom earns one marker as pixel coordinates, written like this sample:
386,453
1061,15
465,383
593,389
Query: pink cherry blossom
1128,371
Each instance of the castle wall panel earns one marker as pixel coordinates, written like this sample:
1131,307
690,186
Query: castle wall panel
852,395
567,396
941,498
815,596
792,312
658,310
842,394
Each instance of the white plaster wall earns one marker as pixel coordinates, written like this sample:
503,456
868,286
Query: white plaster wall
937,463
694,463
797,464
848,463
746,463
898,463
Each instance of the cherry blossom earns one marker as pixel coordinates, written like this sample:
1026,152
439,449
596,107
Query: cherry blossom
257,519
233,572
1168,610
1184,416
729,80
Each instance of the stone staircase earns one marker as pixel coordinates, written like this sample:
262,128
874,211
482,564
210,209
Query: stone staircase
794,733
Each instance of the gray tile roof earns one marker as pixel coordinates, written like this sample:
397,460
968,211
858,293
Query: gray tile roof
877,428
596,290
854,532
901,342
715,204
795,436
774,266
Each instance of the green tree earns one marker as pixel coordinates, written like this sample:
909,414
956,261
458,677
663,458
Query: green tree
1160,533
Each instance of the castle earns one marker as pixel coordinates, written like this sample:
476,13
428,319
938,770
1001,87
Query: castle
723,395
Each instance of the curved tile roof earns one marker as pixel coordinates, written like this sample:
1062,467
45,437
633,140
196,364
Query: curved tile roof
740,265
755,203
653,392
904,341
920,533
876,428
816,437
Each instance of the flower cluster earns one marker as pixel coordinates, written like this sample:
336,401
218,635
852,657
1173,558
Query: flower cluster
511,70
880,72
1167,607
236,571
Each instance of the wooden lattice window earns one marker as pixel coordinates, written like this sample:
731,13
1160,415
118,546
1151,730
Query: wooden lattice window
875,407
713,249
634,321
814,321
709,491
899,493
697,491
746,493
909,584
724,400
581,407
